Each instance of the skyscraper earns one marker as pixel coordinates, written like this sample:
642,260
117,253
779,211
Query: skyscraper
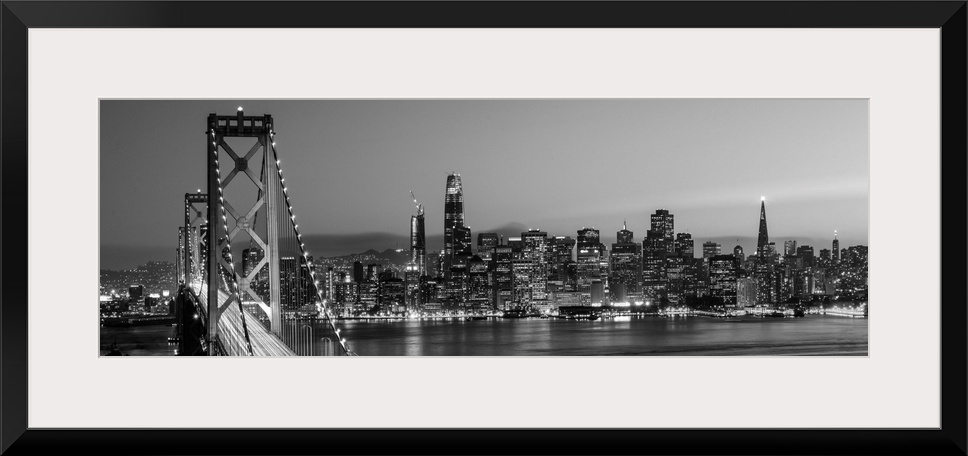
763,239
562,248
626,267
722,278
453,217
685,246
835,250
662,223
418,242
485,244
738,254
711,249
589,255
536,250
659,244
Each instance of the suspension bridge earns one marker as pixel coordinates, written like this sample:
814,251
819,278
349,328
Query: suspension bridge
247,284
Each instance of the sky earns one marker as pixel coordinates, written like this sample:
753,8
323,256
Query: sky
555,165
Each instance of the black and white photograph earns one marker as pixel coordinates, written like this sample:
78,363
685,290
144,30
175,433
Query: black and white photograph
484,227
511,227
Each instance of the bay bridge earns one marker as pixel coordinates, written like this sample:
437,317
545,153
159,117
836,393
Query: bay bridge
272,302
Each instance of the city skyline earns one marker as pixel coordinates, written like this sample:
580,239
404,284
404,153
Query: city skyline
816,194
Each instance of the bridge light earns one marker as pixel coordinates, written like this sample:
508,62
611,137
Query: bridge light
240,109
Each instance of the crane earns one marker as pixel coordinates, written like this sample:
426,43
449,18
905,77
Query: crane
420,210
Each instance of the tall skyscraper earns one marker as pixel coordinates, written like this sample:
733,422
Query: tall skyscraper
659,244
763,238
562,248
626,267
453,217
722,278
418,242
835,250
536,250
662,223
589,256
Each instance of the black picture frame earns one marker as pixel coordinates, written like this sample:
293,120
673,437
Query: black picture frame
17,17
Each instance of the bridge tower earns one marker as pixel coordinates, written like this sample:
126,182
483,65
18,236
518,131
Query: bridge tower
226,223
196,213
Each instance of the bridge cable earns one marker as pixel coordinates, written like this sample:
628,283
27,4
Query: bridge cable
321,306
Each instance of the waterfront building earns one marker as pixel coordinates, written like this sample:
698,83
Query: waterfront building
597,293
722,279
392,295
429,295
745,292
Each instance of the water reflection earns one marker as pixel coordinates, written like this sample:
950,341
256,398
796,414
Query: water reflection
815,335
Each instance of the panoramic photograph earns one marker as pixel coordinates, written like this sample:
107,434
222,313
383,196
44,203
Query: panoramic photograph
601,227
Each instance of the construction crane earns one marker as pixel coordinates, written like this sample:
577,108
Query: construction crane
420,210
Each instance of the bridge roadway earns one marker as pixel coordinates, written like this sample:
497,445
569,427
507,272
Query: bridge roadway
264,343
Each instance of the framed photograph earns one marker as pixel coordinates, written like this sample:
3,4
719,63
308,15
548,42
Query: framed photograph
268,179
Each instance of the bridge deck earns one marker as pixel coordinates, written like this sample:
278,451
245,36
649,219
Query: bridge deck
264,343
